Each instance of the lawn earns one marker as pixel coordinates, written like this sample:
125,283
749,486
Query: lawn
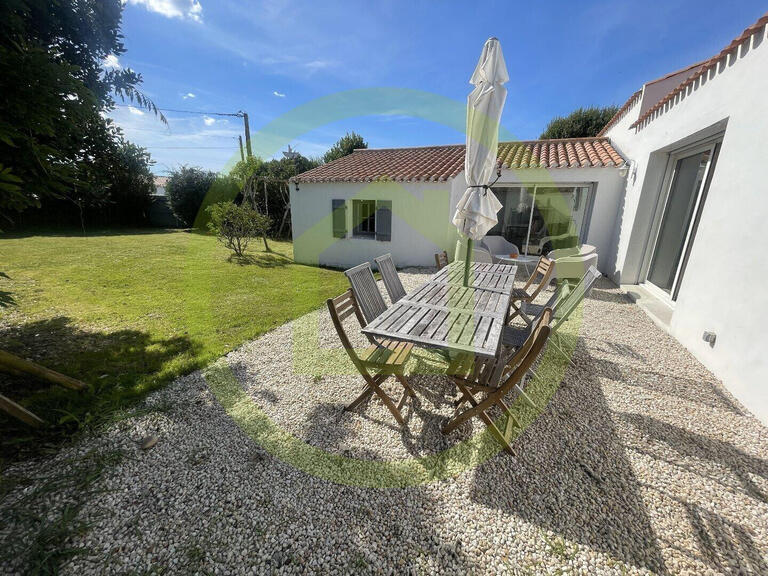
128,311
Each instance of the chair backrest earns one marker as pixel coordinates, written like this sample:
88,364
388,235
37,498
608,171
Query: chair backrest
390,277
341,308
500,245
513,369
482,255
545,268
565,307
366,291
441,259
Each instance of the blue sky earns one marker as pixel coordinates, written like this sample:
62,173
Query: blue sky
269,58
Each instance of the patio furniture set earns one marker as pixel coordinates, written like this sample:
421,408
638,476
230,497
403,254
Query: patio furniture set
489,357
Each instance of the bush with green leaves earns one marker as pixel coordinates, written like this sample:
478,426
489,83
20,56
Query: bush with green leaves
581,123
186,189
347,144
235,225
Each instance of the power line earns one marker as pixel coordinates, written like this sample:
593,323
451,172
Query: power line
235,114
188,147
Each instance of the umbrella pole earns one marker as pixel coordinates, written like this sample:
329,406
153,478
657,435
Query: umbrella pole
467,261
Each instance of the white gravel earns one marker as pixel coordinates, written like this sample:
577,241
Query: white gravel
641,462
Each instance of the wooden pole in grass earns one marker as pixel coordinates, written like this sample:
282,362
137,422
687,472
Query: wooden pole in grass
18,366
15,365
19,412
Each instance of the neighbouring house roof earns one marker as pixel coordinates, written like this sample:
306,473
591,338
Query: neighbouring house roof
161,181
441,163
687,76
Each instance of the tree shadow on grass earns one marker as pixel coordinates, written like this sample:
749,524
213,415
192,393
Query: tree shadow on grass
119,368
262,260
6,297
573,476
68,231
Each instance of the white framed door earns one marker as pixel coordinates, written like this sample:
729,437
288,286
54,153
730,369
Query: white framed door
691,172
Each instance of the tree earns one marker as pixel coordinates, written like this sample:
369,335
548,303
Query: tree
235,225
130,181
186,190
584,122
256,176
345,146
55,92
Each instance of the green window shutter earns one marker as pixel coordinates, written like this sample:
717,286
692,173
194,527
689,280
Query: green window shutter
339,217
384,220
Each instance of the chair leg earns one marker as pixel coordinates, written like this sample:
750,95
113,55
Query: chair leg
404,381
562,353
387,400
372,387
478,409
528,399
366,393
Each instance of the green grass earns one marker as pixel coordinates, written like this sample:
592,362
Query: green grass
128,311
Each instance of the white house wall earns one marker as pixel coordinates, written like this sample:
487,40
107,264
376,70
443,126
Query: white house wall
419,213
724,289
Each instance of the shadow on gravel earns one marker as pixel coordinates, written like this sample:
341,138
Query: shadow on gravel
665,438
726,546
696,390
573,477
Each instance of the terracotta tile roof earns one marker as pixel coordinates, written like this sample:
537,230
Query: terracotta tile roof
621,112
704,68
441,163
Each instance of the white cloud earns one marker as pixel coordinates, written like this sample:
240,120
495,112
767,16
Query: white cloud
208,121
188,95
278,94
189,9
315,65
135,111
111,61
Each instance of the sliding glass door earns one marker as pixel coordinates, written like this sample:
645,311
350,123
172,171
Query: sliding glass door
688,183
540,218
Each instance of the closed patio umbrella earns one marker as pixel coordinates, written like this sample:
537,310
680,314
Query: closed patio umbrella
476,211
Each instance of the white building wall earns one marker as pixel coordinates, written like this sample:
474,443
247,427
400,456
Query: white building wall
724,287
422,213
419,213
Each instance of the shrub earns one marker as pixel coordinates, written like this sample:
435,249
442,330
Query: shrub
223,189
186,190
584,122
235,225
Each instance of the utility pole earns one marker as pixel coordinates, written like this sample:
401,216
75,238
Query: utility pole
240,138
247,133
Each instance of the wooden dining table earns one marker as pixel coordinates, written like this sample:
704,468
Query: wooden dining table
443,313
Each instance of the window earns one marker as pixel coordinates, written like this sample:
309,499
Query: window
364,215
538,219
689,174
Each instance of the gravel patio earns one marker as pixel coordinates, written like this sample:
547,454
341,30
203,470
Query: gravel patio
641,462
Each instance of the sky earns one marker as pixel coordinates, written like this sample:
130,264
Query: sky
395,72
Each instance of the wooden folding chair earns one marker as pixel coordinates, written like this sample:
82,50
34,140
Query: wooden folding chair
378,362
544,268
390,277
563,302
441,259
369,299
473,376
